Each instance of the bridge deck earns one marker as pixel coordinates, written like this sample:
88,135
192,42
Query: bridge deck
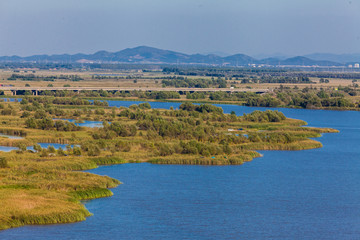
133,89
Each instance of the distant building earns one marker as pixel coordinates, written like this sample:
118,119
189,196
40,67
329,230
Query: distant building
349,66
356,65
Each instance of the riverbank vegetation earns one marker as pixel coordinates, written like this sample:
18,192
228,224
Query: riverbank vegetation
340,98
262,87
43,186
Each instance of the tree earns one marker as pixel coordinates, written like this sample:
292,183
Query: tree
46,123
61,152
37,148
22,147
76,151
30,123
227,149
51,149
25,114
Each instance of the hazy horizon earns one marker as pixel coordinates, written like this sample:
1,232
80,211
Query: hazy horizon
220,54
252,27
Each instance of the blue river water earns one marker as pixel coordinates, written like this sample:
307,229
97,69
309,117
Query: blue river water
55,145
312,194
7,149
10,136
42,145
85,123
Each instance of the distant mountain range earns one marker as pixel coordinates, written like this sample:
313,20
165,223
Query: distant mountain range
341,58
144,55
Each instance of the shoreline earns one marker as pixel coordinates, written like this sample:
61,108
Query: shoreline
47,186
187,100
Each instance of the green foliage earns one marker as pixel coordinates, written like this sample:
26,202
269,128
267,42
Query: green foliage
91,193
115,129
37,148
22,147
108,160
122,146
267,116
195,95
47,123
181,82
13,132
193,134
145,105
203,108
51,149
33,77
266,101
8,111
3,162
60,152
215,160
91,148
76,151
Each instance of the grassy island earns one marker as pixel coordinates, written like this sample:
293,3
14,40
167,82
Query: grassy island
45,186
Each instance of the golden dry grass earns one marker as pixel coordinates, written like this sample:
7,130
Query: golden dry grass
37,189
148,80
32,206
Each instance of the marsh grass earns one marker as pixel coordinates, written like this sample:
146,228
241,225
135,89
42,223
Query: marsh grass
91,193
238,159
295,146
37,188
108,160
33,206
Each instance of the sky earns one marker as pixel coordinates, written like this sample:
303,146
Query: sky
253,27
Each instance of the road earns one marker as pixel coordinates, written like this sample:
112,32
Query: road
133,89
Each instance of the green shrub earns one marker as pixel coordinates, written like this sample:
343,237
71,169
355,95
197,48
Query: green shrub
3,162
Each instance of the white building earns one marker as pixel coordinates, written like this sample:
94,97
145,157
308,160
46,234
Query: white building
356,65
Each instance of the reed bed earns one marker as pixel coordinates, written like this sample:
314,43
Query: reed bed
215,160
46,186
23,207
295,146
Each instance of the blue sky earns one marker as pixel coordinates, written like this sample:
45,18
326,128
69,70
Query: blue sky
252,27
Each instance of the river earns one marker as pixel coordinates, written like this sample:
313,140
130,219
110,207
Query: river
312,194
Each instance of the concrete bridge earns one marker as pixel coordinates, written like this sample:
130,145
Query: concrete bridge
36,90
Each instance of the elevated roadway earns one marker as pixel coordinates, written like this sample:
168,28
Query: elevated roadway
35,90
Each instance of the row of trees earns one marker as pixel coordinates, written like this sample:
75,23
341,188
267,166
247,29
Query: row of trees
63,101
33,77
45,152
202,108
267,116
306,98
113,130
47,123
194,83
